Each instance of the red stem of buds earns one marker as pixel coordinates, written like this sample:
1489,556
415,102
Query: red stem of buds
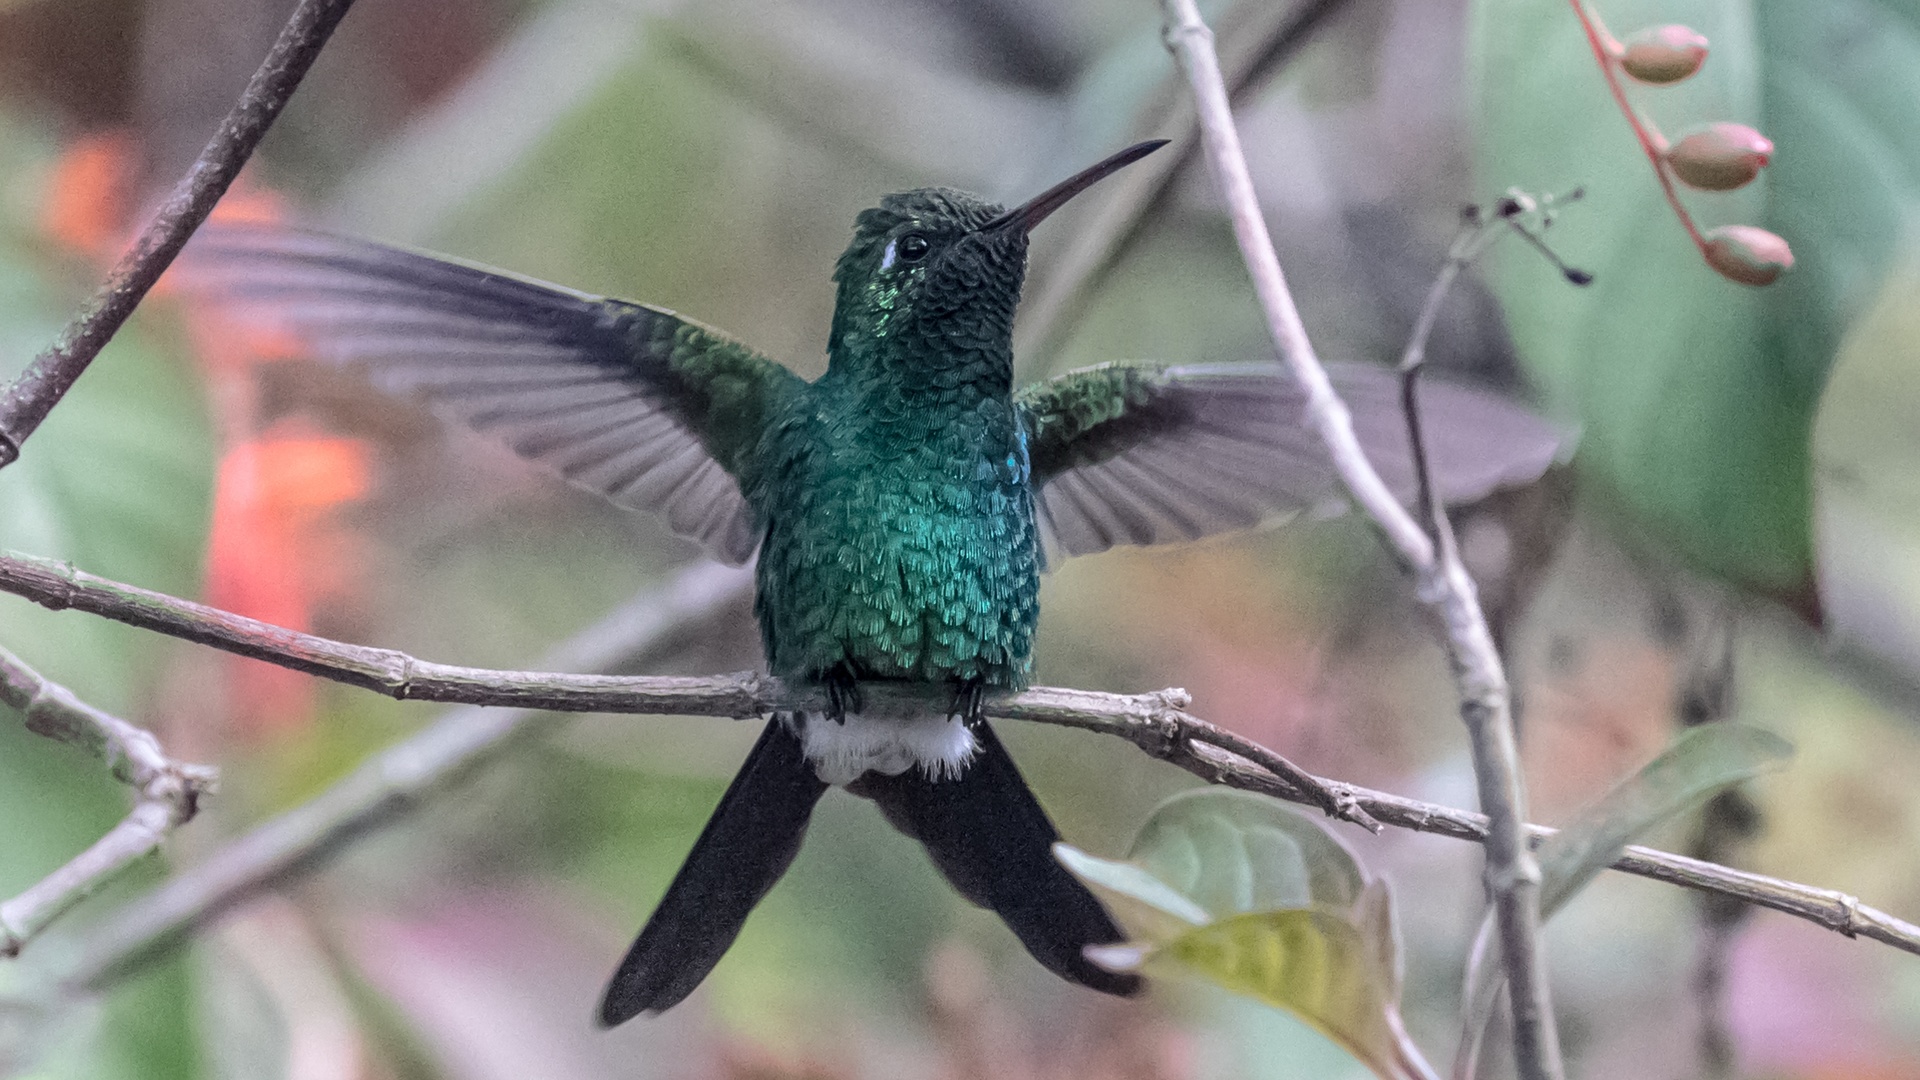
1718,157
1605,50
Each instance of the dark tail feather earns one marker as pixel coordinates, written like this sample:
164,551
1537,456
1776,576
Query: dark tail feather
990,838
747,844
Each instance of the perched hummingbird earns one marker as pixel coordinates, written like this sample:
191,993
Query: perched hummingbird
903,505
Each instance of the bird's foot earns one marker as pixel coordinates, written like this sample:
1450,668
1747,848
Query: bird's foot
969,699
843,694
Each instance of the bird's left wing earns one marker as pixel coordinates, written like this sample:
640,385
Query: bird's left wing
650,409
1137,454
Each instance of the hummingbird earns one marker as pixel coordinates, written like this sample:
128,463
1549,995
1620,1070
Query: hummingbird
902,506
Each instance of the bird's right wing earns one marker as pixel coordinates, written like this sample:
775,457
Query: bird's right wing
1138,454
648,408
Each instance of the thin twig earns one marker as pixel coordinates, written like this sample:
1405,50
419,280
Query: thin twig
388,785
1727,822
1466,245
1156,723
1258,39
29,399
1512,874
167,796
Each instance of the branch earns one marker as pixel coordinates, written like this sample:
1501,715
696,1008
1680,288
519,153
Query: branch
389,784
168,796
398,778
40,387
1262,37
1512,875
397,675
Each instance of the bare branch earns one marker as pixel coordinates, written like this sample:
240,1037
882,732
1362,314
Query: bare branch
389,784
397,675
399,778
168,795
45,381
1258,39
1512,875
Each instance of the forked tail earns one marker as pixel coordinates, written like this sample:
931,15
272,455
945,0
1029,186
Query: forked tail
747,844
989,836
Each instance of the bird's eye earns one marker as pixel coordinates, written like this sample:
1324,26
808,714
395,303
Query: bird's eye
913,247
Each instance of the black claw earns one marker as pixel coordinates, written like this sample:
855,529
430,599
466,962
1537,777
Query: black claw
843,694
969,701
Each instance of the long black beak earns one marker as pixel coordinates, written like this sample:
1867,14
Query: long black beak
1036,209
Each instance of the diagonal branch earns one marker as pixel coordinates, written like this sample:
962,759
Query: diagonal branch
396,780
1258,39
389,784
28,400
397,675
1441,581
168,796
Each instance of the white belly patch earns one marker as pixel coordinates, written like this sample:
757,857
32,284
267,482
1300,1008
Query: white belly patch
940,746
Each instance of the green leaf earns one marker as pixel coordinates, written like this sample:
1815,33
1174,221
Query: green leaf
1246,893
1149,908
1867,490
1696,395
1699,763
118,480
1233,852
1312,962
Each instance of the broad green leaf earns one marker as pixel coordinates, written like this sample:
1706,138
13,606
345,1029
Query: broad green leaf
1696,396
1312,962
1149,908
1867,490
1246,893
1233,852
1699,763
118,480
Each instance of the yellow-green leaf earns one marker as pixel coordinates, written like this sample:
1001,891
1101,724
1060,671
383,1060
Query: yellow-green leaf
1314,963
1149,909
1234,852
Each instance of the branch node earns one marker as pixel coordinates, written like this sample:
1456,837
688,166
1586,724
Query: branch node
402,671
753,691
1850,915
1172,697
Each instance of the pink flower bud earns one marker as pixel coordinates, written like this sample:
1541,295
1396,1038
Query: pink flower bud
1663,54
1719,157
1748,255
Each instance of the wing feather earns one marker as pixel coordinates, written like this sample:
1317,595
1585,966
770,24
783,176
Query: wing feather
1133,454
652,410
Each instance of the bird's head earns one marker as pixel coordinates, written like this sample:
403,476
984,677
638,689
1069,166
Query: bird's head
937,272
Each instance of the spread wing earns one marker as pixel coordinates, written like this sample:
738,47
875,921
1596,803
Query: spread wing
1135,454
652,410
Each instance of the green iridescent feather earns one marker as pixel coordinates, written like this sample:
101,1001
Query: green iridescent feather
904,503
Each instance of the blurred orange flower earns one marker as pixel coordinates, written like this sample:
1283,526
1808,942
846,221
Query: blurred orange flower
277,547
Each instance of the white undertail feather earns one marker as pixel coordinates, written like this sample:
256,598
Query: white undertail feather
941,746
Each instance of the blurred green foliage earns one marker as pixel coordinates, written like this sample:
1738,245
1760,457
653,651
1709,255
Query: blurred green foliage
1697,396
710,158
119,478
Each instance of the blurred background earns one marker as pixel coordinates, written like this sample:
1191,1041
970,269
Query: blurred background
1738,536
